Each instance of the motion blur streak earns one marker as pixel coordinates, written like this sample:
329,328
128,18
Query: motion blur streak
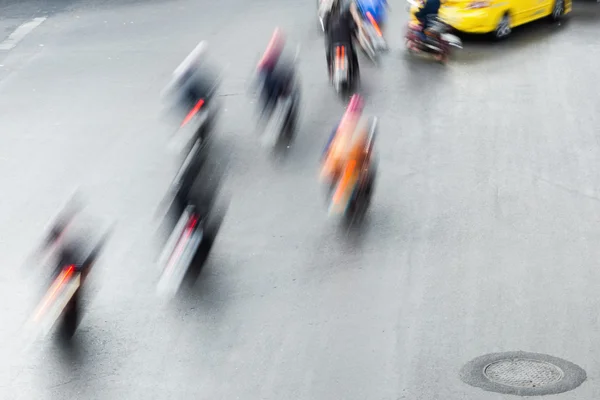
58,284
482,235
193,112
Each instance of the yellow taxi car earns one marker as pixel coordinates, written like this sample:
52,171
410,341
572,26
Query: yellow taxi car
496,16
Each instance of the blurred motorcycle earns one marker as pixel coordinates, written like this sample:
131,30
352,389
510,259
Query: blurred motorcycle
436,41
371,40
284,116
351,194
198,123
193,222
192,93
61,301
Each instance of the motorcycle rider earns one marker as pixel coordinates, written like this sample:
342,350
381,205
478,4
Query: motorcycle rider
275,73
346,142
193,186
190,191
426,14
342,23
192,80
70,243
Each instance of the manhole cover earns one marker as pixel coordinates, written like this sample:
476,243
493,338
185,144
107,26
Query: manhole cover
523,374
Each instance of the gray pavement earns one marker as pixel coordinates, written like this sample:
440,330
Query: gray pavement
482,236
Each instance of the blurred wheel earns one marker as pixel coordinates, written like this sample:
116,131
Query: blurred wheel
444,54
211,230
410,47
70,318
558,10
503,30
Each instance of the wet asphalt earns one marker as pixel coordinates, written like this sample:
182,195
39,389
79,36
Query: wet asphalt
482,236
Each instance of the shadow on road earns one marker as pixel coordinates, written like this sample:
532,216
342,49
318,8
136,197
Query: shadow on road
71,351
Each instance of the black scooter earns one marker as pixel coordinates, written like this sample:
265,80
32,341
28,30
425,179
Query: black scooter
61,302
196,225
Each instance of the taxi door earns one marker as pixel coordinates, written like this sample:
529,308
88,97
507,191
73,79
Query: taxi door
523,11
543,8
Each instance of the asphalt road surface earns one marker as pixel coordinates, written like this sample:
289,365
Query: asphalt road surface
482,237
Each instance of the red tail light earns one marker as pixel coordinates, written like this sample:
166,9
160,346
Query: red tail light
57,285
193,112
187,233
192,224
340,54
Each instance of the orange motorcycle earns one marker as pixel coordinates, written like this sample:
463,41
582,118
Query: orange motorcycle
350,169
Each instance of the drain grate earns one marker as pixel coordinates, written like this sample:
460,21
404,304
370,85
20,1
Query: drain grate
523,374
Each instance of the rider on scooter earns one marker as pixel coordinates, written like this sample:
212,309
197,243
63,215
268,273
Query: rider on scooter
70,242
192,80
346,142
192,188
275,73
426,14
341,24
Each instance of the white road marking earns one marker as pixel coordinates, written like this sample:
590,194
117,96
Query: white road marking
19,33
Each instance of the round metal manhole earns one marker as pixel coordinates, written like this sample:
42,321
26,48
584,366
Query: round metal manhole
522,374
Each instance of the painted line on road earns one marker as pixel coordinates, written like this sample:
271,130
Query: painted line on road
19,33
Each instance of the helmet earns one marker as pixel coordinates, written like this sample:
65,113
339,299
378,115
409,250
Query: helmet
340,5
278,39
274,49
352,114
192,59
336,4
199,51
356,104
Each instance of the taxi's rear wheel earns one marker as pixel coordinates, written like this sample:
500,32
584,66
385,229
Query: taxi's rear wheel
503,29
558,10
